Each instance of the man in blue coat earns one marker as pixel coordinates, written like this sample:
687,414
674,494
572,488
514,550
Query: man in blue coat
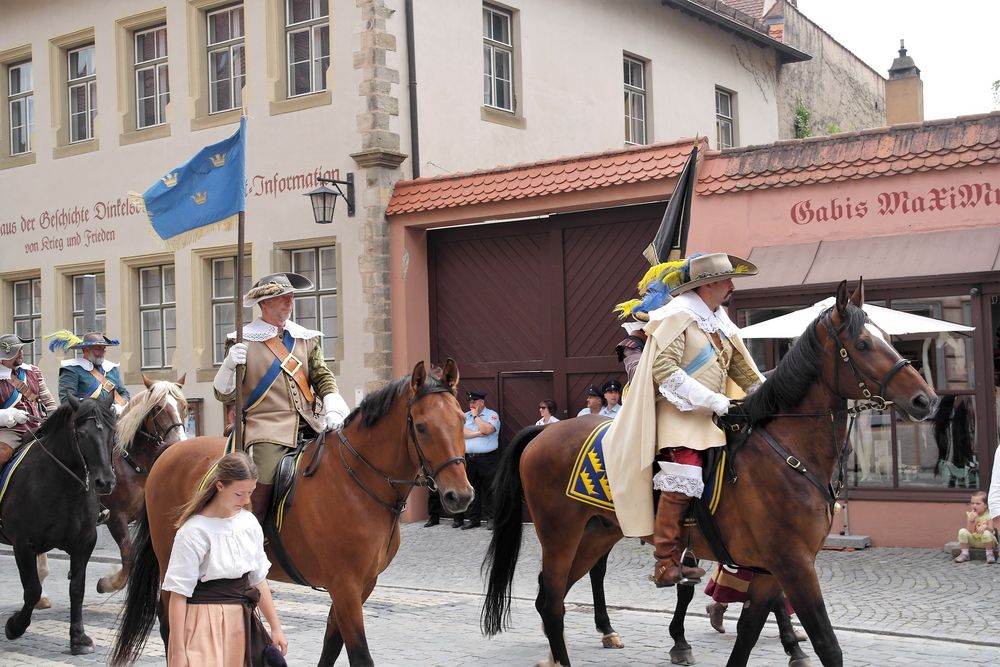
91,375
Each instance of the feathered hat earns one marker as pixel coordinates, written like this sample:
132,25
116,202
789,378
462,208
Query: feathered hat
276,284
67,340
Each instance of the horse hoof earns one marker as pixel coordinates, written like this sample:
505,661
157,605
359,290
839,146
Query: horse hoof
612,640
11,629
800,662
43,603
103,587
81,649
682,656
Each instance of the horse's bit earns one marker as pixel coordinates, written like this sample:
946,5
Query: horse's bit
428,477
159,437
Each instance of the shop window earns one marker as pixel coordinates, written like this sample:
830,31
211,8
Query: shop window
28,316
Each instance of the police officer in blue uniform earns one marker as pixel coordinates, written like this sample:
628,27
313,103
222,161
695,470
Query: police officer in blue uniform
482,437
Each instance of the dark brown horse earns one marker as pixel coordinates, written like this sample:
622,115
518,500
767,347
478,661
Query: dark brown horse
343,528
774,517
152,420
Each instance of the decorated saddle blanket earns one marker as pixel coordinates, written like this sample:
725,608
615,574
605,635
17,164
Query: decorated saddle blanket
8,472
589,483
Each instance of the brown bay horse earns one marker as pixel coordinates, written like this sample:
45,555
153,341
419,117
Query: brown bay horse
773,517
343,528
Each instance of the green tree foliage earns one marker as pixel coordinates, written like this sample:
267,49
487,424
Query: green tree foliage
802,116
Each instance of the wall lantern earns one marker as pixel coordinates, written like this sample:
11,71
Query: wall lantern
324,198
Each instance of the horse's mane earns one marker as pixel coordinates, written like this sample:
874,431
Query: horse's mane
60,422
131,420
377,404
797,370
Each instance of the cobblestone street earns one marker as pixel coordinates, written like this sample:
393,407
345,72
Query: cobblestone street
889,606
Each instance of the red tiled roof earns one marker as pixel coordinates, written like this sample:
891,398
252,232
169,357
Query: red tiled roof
752,8
539,179
899,149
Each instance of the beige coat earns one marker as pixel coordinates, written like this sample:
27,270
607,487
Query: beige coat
648,422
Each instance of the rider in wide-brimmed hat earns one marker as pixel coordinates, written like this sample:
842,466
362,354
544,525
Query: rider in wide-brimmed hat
288,390
691,352
23,395
90,375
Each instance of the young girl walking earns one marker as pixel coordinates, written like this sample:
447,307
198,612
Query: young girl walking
217,576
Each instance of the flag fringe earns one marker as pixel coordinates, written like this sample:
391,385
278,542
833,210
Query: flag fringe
175,243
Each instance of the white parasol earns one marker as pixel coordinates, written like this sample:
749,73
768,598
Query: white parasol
893,322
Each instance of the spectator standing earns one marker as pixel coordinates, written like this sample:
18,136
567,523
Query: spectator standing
547,409
595,402
612,390
482,437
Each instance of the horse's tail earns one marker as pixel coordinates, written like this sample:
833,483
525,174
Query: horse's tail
137,617
505,546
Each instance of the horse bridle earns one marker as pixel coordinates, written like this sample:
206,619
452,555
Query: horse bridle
85,482
158,437
860,375
423,477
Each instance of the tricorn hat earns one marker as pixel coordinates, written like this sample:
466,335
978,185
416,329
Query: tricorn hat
713,267
10,344
276,284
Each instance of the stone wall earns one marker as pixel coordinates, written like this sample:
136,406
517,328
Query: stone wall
840,92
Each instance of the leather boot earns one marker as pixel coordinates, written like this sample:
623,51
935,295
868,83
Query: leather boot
6,453
260,501
716,611
667,542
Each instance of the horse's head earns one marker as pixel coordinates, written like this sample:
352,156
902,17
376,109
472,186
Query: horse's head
436,432
93,425
155,417
866,365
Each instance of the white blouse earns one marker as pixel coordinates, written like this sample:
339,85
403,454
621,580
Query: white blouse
208,548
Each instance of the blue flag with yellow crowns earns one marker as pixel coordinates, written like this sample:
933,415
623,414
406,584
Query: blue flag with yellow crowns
209,188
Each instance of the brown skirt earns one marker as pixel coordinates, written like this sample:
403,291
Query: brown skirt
214,634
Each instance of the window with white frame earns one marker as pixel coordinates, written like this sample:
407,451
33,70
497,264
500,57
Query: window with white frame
152,87
498,59
635,100
226,59
78,302
725,124
223,308
21,104
81,81
317,308
28,315
157,315
307,45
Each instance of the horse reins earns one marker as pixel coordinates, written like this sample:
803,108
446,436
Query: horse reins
428,477
85,483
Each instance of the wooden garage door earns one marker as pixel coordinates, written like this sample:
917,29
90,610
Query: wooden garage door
525,308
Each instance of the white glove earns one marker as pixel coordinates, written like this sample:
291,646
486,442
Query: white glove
11,416
336,411
225,378
689,390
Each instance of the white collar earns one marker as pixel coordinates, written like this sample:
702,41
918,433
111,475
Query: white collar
259,331
7,372
87,365
690,303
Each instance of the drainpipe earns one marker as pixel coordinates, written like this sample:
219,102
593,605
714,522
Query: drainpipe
411,66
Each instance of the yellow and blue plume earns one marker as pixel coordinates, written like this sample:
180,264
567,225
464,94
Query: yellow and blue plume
63,340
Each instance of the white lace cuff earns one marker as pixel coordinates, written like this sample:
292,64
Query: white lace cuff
673,389
679,478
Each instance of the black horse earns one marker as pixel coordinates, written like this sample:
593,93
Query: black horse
51,503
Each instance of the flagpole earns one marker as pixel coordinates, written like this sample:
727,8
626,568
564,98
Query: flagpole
238,407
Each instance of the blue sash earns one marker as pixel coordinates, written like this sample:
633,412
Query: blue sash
15,398
269,377
699,362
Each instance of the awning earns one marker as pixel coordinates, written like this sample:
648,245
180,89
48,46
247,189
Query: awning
934,253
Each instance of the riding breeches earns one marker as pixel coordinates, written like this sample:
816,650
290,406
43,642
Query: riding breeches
680,472
266,456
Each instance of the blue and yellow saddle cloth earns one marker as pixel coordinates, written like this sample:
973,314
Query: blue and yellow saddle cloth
589,481
11,466
589,484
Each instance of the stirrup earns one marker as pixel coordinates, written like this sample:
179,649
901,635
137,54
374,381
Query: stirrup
687,559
